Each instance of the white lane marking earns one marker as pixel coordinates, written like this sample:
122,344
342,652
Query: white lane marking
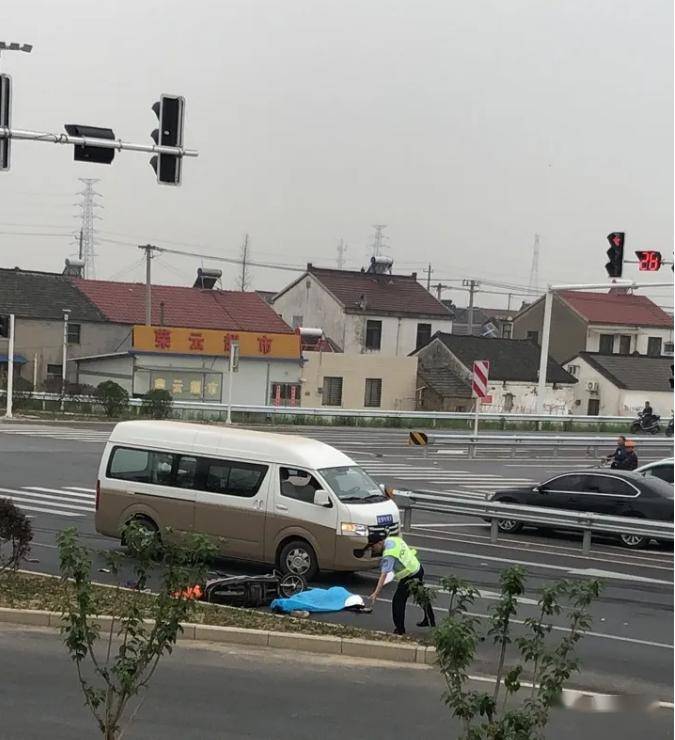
43,498
597,573
557,628
83,490
74,496
545,566
449,524
520,545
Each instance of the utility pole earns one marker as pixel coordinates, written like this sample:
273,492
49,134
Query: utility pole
439,288
472,285
149,249
79,253
244,279
428,272
341,249
10,368
64,358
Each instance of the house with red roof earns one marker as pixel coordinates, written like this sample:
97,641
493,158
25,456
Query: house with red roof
619,323
184,349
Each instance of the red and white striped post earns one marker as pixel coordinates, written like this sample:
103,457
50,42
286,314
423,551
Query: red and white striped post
479,386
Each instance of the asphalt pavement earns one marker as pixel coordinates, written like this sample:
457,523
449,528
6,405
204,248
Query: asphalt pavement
50,471
238,693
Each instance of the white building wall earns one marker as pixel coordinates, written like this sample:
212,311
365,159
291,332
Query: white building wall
250,385
558,400
639,336
614,401
309,299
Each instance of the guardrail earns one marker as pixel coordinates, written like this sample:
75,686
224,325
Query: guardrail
329,412
493,511
472,441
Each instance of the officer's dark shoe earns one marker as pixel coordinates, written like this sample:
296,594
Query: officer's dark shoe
399,632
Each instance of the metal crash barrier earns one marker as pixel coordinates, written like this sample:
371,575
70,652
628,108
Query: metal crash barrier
492,511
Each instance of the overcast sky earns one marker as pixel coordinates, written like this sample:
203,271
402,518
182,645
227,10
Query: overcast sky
465,127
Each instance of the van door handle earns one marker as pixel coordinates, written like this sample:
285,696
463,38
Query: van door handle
281,507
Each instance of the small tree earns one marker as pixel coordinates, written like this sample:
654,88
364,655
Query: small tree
21,393
112,397
144,626
157,403
548,665
16,534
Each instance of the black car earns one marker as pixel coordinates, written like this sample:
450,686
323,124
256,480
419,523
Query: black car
612,492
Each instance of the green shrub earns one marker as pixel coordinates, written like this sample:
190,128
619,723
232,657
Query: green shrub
112,397
157,403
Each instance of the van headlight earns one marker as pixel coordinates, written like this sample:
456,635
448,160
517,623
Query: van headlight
360,530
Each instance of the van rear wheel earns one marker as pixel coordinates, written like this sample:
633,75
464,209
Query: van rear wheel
298,558
148,532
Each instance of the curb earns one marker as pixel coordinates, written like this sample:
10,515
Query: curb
317,644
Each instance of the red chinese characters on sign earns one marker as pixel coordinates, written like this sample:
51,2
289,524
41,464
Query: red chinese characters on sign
226,342
162,339
196,341
264,345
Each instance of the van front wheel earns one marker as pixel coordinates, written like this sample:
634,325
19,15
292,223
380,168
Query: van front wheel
298,558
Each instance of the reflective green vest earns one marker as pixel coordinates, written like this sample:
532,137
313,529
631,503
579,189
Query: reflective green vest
395,547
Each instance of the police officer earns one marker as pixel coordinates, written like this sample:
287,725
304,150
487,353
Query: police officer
399,559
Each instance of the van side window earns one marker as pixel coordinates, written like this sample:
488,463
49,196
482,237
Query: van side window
186,471
161,468
127,464
233,478
298,484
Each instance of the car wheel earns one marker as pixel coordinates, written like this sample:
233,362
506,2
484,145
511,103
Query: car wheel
298,557
634,541
148,532
508,526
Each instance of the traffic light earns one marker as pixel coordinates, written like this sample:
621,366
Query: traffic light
5,119
615,253
649,260
98,154
170,111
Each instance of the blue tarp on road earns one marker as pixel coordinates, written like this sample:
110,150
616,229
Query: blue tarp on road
317,600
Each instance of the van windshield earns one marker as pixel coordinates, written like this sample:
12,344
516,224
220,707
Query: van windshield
352,483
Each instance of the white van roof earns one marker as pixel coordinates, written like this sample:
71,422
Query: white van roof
208,439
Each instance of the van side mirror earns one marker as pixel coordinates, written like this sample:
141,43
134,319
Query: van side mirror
321,498
536,489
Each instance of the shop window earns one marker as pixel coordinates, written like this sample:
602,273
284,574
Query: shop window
373,334
186,386
285,394
332,392
373,396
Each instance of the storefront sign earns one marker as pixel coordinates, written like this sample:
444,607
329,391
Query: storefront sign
179,341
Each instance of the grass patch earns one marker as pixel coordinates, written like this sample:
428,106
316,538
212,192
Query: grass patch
30,591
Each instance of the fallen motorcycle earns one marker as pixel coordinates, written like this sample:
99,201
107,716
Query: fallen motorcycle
642,424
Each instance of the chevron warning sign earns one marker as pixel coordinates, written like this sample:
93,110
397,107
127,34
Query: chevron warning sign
479,381
418,438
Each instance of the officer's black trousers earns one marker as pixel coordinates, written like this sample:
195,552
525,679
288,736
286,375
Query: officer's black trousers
401,599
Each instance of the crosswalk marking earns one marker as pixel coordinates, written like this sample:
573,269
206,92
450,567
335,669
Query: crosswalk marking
81,490
56,501
63,433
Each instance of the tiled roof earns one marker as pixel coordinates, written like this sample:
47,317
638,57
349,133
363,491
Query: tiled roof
617,308
43,295
124,303
444,381
632,372
365,292
510,359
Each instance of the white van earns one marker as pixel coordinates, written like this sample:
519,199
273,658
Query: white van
274,498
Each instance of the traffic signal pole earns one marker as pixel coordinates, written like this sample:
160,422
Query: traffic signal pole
117,144
546,327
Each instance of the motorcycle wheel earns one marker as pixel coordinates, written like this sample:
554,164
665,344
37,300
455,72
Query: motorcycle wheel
635,427
655,429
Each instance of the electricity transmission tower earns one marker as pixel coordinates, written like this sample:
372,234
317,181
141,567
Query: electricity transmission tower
87,232
534,268
378,239
341,249
244,280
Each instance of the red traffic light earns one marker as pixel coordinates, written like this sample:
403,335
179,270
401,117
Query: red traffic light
649,260
615,254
